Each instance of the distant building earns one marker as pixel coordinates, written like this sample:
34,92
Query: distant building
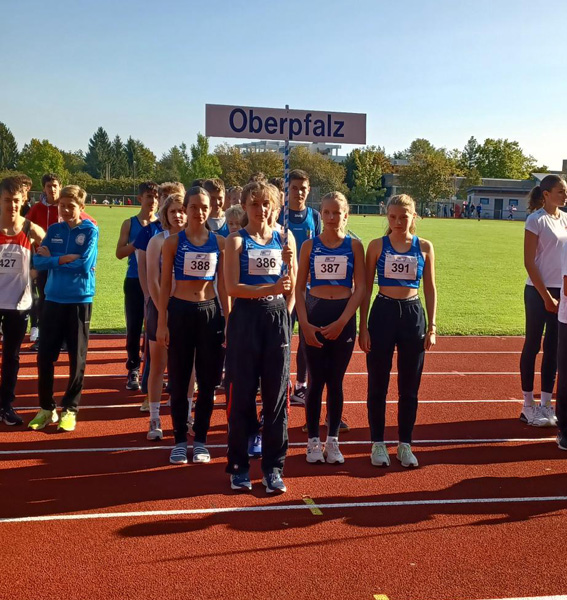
330,150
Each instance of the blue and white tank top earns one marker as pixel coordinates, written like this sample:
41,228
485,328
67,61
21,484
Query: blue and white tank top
403,269
305,229
135,228
331,266
222,230
196,262
260,263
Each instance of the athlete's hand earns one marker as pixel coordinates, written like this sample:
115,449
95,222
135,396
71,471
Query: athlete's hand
308,331
551,304
68,258
43,251
332,330
430,340
162,336
364,340
283,285
287,255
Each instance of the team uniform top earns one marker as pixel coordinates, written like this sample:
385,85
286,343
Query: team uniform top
15,263
404,269
260,263
192,262
304,224
135,228
331,266
552,234
146,234
73,282
218,226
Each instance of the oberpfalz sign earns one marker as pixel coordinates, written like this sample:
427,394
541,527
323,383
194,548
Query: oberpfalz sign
284,124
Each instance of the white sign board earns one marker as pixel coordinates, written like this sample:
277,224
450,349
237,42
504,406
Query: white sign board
281,124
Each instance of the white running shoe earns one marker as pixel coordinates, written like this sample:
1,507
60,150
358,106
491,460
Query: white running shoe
145,405
332,452
155,432
201,454
535,416
379,455
547,412
406,456
34,334
315,451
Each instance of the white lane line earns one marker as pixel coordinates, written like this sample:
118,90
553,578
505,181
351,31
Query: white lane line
223,404
292,444
282,507
357,373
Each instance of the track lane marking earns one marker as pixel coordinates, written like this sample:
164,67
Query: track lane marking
281,507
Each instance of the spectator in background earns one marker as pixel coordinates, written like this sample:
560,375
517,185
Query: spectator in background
26,183
478,210
382,208
445,210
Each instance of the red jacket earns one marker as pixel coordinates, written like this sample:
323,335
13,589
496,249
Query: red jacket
44,215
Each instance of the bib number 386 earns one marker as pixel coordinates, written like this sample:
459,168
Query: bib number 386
265,262
399,266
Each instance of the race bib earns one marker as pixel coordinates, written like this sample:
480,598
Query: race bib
331,267
200,264
10,262
400,266
265,262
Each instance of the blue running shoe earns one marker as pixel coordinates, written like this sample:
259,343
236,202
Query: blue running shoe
241,481
274,483
255,446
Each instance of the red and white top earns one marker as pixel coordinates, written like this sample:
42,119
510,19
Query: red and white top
15,264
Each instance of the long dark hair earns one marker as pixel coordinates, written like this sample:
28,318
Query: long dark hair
536,199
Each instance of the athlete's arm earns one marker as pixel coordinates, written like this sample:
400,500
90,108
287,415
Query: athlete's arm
333,330
530,249
372,255
124,248
430,292
309,331
289,255
168,251
153,255
221,287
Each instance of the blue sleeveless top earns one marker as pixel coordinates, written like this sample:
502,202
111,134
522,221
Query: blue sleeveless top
192,263
304,230
135,228
403,269
260,263
331,266
223,230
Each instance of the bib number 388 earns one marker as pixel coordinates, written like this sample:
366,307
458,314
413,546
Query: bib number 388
399,266
200,264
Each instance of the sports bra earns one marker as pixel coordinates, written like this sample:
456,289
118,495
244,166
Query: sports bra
404,269
260,263
331,266
192,262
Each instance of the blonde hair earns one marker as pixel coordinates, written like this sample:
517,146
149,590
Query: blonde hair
169,188
171,199
259,189
76,193
341,199
234,212
406,201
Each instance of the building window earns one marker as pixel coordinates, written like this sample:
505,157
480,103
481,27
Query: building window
513,202
485,201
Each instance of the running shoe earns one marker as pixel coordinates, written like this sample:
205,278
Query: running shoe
255,446
241,481
178,455
314,451
133,382
332,452
548,413
155,431
299,395
10,416
562,441
145,404
43,419
534,416
274,482
34,334
68,421
379,455
406,456
201,454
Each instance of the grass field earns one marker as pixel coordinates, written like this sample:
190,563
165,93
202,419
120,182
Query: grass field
480,273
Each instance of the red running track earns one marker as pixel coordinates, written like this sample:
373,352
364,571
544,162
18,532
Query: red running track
100,513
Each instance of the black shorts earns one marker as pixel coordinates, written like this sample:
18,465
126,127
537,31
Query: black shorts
151,320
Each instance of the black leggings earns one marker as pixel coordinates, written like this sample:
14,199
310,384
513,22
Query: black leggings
537,318
196,335
561,406
134,310
327,365
394,323
301,355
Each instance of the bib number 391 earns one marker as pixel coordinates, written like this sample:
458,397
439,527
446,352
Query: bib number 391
399,266
265,262
200,264
330,267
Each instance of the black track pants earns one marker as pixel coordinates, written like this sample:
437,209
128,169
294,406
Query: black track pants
134,311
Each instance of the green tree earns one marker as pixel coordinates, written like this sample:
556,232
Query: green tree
503,159
428,178
324,172
203,163
74,161
377,156
364,169
470,155
8,149
119,160
269,163
472,178
175,165
235,167
99,155
40,157
141,160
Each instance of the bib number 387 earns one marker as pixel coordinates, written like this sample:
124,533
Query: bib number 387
330,267
200,264
399,266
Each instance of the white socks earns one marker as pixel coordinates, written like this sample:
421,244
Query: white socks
545,398
154,410
529,398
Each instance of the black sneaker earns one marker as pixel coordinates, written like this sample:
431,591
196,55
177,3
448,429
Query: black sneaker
299,395
133,382
11,417
562,441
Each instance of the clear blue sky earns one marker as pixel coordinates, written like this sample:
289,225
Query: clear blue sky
442,70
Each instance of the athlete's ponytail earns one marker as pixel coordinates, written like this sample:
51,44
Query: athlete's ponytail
536,198
406,201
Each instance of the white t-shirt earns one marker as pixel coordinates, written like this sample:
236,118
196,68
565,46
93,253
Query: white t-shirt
562,316
552,234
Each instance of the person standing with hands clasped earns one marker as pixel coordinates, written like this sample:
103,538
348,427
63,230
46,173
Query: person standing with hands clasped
327,317
546,232
401,260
